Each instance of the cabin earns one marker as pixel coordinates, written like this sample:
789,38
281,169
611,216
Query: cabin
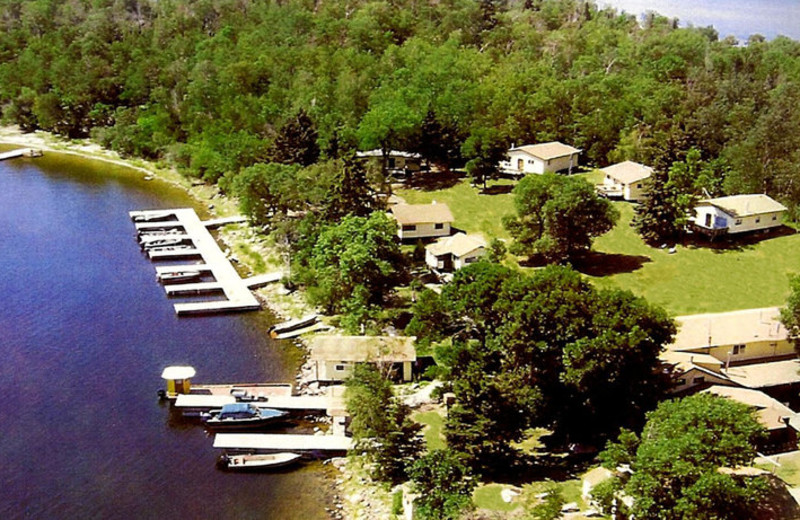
540,158
420,221
626,180
737,214
780,422
332,358
749,348
397,162
454,252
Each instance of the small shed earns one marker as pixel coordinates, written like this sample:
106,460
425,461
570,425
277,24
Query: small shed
737,214
422,220
454,252
178,380
541,158
626,180
332,358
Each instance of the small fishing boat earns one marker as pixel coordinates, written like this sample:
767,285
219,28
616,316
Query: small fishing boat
161,242
291,325
242,415
256,462
179,276
153,216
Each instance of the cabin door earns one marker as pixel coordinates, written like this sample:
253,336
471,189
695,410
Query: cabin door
520,164
708,220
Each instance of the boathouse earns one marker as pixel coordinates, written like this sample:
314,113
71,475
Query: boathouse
332,358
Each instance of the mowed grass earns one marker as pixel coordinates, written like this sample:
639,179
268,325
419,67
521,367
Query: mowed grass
692,280
433,430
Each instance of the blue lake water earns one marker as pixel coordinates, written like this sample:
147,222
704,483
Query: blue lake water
85,331
740,18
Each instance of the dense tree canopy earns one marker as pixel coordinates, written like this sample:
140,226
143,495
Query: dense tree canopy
676,460
545,349
557,216
218,86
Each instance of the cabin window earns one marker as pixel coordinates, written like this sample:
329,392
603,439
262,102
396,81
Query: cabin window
698,380
774,217
438,226
758,219
470,260
639,185
339,368
680,382
390,163
410,228
738,349
738,221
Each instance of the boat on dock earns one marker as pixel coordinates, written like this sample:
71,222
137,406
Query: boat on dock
179,276
242,415
288,326
153,216
258,462
161,242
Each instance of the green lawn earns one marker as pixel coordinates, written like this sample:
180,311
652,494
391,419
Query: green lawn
488,497
693,280
433,427
789,469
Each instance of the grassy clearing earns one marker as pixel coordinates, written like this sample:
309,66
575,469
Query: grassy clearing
789,469
693,280
433,423
488,497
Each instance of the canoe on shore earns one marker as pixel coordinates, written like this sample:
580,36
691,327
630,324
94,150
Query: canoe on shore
291,325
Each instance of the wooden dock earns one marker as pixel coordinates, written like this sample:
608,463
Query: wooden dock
20,152
217,222
273,442
227,280
261,280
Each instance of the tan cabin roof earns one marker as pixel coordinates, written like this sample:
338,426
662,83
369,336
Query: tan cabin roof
627,172
359,349
745,205
421,213
459,245
728,328
770,411
765,375
390,153
546,151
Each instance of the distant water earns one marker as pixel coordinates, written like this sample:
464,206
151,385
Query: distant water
85,331
740,18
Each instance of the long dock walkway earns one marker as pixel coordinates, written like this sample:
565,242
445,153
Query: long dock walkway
20,152
266,442
237,293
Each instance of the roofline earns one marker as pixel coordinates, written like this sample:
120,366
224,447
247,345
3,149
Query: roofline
520,149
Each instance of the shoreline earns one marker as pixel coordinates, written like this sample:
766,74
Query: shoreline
347,490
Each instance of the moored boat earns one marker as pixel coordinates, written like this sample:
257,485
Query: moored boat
179,276
256,462
161,242
153,216
242,415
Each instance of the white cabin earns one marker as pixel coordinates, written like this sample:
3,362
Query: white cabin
738,214
541,158
454,252
418,221
627,180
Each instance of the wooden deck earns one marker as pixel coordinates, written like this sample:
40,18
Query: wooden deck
227,280
20,152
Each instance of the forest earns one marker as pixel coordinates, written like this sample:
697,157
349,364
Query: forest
214,87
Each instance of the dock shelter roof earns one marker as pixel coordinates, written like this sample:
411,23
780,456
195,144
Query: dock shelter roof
728,328
627,172
745,205
547,151
176,372
359,349
422,213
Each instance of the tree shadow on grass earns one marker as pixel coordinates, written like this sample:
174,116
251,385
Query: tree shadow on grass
498,189
599,264
432,181
526,468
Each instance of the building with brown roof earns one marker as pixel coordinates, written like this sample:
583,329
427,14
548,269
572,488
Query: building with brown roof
416,221
540,158
627,180
737,214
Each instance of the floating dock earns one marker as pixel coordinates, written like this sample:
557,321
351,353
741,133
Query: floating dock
227,280
20,152
273,442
